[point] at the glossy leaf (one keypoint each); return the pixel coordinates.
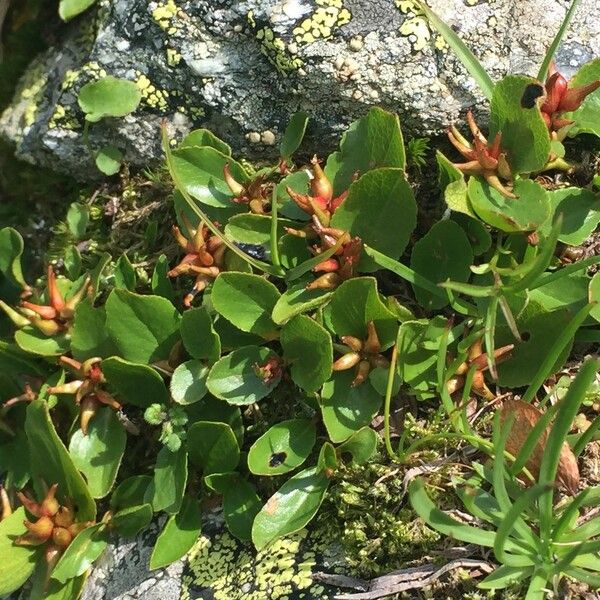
(51, 462)
(378, 198)
(587, 116)
(89, 337)
(178, 535)
(188, 382)
(235, 378)
(128, 522)
(68, 9)
(294, 132)
(34, 341)
(291, 507)
(212, 447)
(199, 336)
(125, 277)
(297, 300)
(241, 504)
(143, 328)
(108, 160)
(170, 477)
(247, 301)
(160, 282)
(11, 250)
(204, 137)
(347, 409)
(108, 97)
(87, 546)
(360, 445)
(285, 446)
(135, 384)
(307, 347)
(130, 492)
(98, 454)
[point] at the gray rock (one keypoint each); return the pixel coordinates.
(241, 68)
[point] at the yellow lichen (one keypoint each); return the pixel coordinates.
(328, 15)
(416, 27)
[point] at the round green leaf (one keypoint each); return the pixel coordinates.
(135, 384)
(87, 546)
(212, 447)
(34, 341)
(525, 136)
(294, 132)
(525, 213)
(568, 292)
(372, 142)
(353, 305)
(18, 562)
(160, 281)
(308, 347)
(247, 301)
(478, 235)
(347, 409)
(67, 9)
(442, 253)
(51, 462)
(188, 383)
(130, 492)
(108, 97)
(170, 478)
(199, 336)
(580, 210)
(128, 522)
(108, 160)
(282, 448)
(378, 198)
(291, 507)
(361, 445)
(78, 218)
(11, 249)
(328, 457)
(235, 378)
(213, 409)
(89, 337)
(178, 536)
(241, 504)
(204, 137)
(98, 454)
(200, 170)
(587, 116)
(249, 228)
(143, 328)
(296, 300)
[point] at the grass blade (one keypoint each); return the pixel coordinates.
(543, 72)
(463, 53)
(586, 437)
(504, 576)
(308, 264)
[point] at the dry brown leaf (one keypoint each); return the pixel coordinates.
(527, 415)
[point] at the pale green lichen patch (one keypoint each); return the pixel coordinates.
(328, 15)
(416, 28)
(152, 96)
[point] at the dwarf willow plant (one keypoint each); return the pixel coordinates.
(258, 359)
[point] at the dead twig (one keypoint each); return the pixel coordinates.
(403, 580)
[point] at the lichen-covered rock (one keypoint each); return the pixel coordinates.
(242, 68)
(218, 567)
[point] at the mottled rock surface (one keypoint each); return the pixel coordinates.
(242, 68)
(218, 567)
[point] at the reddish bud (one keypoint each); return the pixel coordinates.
(320, 185)
(237, 189)
(574, 97)
(556, 86)
(361, 373)
(347, 361)
(38, 532)
(50, 505)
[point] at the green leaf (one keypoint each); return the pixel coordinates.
(308, 348)
(594, 295)
(188, 383)
(443, 253)
(297, 300)
(178, 536)
(249, 228)
(135, 384)
(463, 53)
(378, 198)
(372, 142)
(160, 282)
(587, 116)
(291, 507)
(235, 377)
(144, 328)
(170, 477)
(477, 234)
(503, 577)
(580, 209)
(527, 213)
(204, 137)
(78, 218)
(356, 302)
(108, 97)
(212, 447)
(347, 409)
(294, 132)
(231, 337)
(128, 522)
(108, 160)
(51, 462)
(18, 562)
(299, 182)
(328, 459)
(98, 454)
(247, 301)
(241, 504)
(525, 137)
(285, 446)
(199, 336)
(125, 277)
(213, 409)
(72, 262)
(11, 250)
(32, 340)
(360, 445)
(87, 546)
(67, 9)
(200, 170)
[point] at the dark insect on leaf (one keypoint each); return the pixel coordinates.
(531, 93)
(254, 250)
(277, 459)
